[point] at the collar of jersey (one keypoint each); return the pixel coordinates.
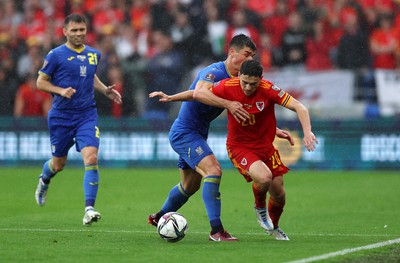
(78, 50)
(227, 70)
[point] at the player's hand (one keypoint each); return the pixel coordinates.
(285, 135)
(162, 97)
(310, 141)
(113, 94)
(238, 112)
(68, 92)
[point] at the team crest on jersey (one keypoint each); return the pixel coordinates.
(83, 71)
(276, 88)
(45, 64)
(260, 105)
(81, 57)
(243, 162)
(199, 150)
(210, 77)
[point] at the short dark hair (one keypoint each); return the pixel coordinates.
(77, 18)
(251, 68)
(240, 41)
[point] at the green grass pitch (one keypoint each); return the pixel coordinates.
(326, 212)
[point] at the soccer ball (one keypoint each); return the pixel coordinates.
(172, 227)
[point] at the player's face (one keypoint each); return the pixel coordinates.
(249, 84)
(75, 33)
(238, 57)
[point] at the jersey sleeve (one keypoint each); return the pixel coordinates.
(219, 89)
(49, 64)
(278, 95)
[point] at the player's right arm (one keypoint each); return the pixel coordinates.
(181, 96)
(45, 85)
(202, 93)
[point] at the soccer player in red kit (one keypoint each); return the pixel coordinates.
(250, 142)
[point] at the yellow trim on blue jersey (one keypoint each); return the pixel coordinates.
(227, 70)
(212, 180)
(183, 192)
(51, 166)
(79, 50)
(91, 167)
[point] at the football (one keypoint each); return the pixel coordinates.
(172, 227)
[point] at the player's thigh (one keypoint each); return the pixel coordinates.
(260, 173)
(62, 134)
(191, 147)
(87, 134)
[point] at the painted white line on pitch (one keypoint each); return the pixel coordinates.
(96, 230)
(347, 251)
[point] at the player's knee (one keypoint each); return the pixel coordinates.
(279, 197)
(58, 167)
(264, 179)
(191, 188)
(215, 169)
(91, 159)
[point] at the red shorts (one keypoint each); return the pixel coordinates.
(243, 158)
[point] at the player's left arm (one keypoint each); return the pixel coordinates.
(309, 139)
(108, 91)
(203, 93)
(283, 134)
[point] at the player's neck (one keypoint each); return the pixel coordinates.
(231, 70)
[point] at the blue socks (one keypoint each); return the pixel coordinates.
(48, 172)
(212, 201)
(91, 184)
(176, 199)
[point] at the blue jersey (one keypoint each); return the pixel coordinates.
(195, 116)
(67, 67)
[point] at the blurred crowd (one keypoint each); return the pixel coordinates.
(160, 44)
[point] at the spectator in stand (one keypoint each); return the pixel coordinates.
(353, 54)
(251, 15)
(216, 30)
(115, 75)
(8, 88)
(10, 18)
(138, 10)
(383, 44)
(265, 53)
(108, 18)
(34, 23)
(31, 102)
(294, 44)
(318, 47)
(240, 25)
(31, 61)
(183, 35)
(277, 22)
(164, 72)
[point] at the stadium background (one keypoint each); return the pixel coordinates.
(354, 108)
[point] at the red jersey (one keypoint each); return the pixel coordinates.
(258, 131)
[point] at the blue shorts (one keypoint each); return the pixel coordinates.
(191, 147)
(67, 129)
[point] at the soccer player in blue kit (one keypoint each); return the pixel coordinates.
(69, 74)
(188, 137)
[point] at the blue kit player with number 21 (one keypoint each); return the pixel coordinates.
(69, 74)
